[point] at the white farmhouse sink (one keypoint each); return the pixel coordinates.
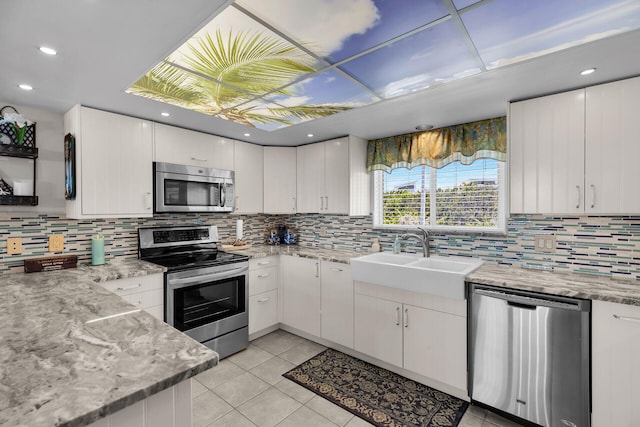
(436, 275)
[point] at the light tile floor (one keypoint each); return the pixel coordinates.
(248, 389)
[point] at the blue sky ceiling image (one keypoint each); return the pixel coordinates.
(271, 64)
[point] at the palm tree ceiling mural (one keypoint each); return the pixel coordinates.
(275, 63)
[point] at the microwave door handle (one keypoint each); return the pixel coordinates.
(193, 280)
(222, 194)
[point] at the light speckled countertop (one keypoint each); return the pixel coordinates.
(58, 370)
(335, 255)
(585, 286)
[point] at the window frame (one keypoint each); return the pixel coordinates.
(377, 189)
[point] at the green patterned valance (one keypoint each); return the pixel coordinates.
(438, 147)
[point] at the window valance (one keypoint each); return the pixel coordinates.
(438, 147)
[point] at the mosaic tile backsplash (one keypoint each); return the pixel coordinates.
(595, 245)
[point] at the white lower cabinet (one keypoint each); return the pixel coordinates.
(169, 408)
(615, 364)
(145, 292)
(427, 337)
(336, 303)
(263, 293)
(301, 294)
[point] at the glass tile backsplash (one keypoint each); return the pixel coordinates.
(595, 245)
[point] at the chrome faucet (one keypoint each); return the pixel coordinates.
(423, 238)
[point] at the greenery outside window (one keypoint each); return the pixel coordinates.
(456, 197)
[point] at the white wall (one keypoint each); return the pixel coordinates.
(50, 163)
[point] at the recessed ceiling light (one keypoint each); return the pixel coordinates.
(309, 135)
(247, 134)
(165, 114)
(25, 87)
(48, 50)
(587, 71)
(424, 127)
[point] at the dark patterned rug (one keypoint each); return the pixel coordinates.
(376, 395)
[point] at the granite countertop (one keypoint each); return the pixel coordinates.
(585, 286)
(334, 255)
(63, 363)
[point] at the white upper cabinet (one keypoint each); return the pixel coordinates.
(187, 147)
(279, 180)
(576, 152)
(612, 148)
(248, 167)
(114, 156)
(332, 177)
(546, 154)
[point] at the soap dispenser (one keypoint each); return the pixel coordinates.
(375, 247)
(396, 245)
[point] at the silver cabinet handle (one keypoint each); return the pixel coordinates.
(321, 203)
(593, 196)
(264, 263)
(293, 204)
(195, 159)
(577, 196)
(406, 317)
(236, 205)
(264, 299)
(129, 287)
(326, 203)
(397, 316)
(263, 275)
(317, 269)
(628, 319)
(336, 269)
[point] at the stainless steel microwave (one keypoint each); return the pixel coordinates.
(180, 188)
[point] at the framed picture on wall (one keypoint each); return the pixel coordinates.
(69, 167)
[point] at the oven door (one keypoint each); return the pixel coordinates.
(176, 192)
(210, 302)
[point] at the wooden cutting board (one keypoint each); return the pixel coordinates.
(235, 248)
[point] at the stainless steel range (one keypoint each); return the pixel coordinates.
(206, 289)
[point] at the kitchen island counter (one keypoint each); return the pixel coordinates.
(303, 251)
(575, 285)
(72, 352)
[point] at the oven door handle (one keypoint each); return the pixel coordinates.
(204, 278)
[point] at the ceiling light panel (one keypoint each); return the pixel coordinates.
(432, 56)
(176, 86)
(506, 31)
(337, 30)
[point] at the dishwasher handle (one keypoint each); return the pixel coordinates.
(524, 300)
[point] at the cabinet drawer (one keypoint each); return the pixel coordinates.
(263, 311)
(256, 263)
(135, 284)
(262, 280)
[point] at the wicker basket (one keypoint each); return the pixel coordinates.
(28, 141)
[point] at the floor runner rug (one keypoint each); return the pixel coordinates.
(376, 395)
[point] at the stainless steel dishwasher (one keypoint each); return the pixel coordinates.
(529, 355)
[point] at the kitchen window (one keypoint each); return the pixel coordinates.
(456, 197)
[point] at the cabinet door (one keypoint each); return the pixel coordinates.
(248, 167)
(301, 294)
(615, 352)
(311, 176)
(612, 149)
(378, 328)
(337, 303)
(435, 345)
(182, 146)
(263, 311)
(115, 165)
(336, 181)
(221, 152)
(279, 180)
(546, 154)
